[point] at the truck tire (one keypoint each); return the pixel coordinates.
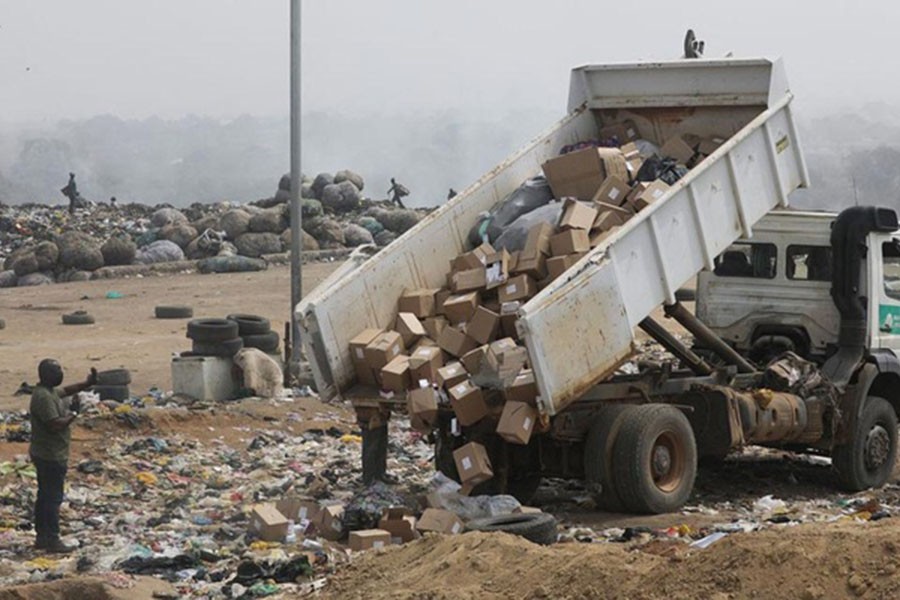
(114, 377)
(250, 324)
(267, 342)
(867, 459)
(224, 348)
(598, 455)
(119, 393)
(656, 459)
(539, 528)
(173, 312)
(79, 317)
(212, 330)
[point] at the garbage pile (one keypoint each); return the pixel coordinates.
(42, 244)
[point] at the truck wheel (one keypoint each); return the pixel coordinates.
(598, 454)
(655, 459)
(867, 460)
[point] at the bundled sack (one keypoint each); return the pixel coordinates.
(532, 194)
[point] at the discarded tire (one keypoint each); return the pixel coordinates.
(79, 317)
(250, 324)
(2, 324)
(119, 393)
(267, 342)
(114, 377)
(212, 330)
(539, 528)
(173, 312)
(222, 348)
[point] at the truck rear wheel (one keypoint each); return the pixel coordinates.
(655, 459)
(867, 459)
(598, 455)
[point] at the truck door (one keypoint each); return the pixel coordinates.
(885, 275)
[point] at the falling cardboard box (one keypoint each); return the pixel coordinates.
(369, 539)
(613, 191)
(456, 343)
(400, 524)
(484, 326)
(422, 406)
(472, 463)
(468, 403)
(517, 422)
(395, 375)
(460, 308)
(418, 302)
(383, 349)
(502, 363)
(424, 363)
(579, 174)
(358, 344)
(329, 525)
(523, 388)
(451, 374)
(576, 215)
(410, 328)
(572, 241)
(520, 287)
(437, 520)
(268, 523)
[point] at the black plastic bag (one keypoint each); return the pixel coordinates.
(666, 169)
(532, 194)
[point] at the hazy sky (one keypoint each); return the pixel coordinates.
(66, 58)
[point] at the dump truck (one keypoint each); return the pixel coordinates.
(636, 438)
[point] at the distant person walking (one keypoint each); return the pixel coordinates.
(71, 192)
(452, 194)
(397, 191)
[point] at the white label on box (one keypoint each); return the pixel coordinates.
(454, 427)
(456, 527)
(302, 512)
(336, 524)
(423, 351)
(657, 194)
(526, 424)
(613, 193)
(395, 350)
(423, 383)
(378, 544)
(631, 133)
(466, 463)
(360, 353)
(454, 370)
(396, 540)
(460, 388)
(493, 272)
(257, 524)
(511, 288)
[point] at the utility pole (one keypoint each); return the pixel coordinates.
(296, 185)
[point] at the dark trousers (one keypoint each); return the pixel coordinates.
(51, 476)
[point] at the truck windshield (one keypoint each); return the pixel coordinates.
(808, 263)
(745, 259)
(891, 264)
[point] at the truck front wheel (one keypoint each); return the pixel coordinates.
(867, 459)
(655, 460)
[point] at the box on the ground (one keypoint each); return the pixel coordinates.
(409, 327)
(625, 131)
(521, 287)
(298, 509)
(433, 326)
(468, 403)
(472, 260)
(456, 343)
(468, 280)
(399, 523)
(496, 269)
(460, 308)
(678, 149)
(613, 191)
(472, 463)
(502, 363)
(708, 145)
(206, 378)
(576, 215)
(329, 525)
(424, 363)
(523, 388)
(422, 406)
(383, 349)
(650, 195)
(558, 265)
(472, 360)
(268, 523)
(484, 326)
(572, 241)
(517, 422)
(369, 539)
(579, 174)
(439, 521)
(451, 374)
(418, 302)
(508, 317)
(395, 375)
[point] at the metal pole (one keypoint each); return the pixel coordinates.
(296, 185)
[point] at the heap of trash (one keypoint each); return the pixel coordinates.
(42, 244)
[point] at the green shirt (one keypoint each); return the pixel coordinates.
(46, 405)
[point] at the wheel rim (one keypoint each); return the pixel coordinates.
(878, 447)
(667, 462)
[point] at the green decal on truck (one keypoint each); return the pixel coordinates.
(889, 318)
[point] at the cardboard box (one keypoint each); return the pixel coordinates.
(439, 298)
(496, 270)
(634, 167)
(451, 374)
(653, 193)
(472, 260)
(537, 240)
(508, 317)
(461, 307)
(383, 349)
(468, 280)
(609, 219)
(572, 241)
(636, 190)
(630, 150)
(424, 363)
(472, 463)
(558, 265)
(398, 523)
(298, 509)
(517, 422)
(613, 191)
(625, 131)
(418, 302)
(579, 174)
(576, 215)
(502, 363)
(268, 523)
(468, 403)
(329, 525)
(422, 406)
(678, 149)
(484, 326)
(708, 145)
(527, 510)
(534, 266)
(437, 520)
(456, 343)
(364, 373)
(395, 375)
(369, 539)
(409, 327)
(425, 342)
(434, 325)
(521, 287)
(599, 236)
(472, 360)
(523, 388)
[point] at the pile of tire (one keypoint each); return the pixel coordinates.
(256, 332)
(113, 385)
(214, 337)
